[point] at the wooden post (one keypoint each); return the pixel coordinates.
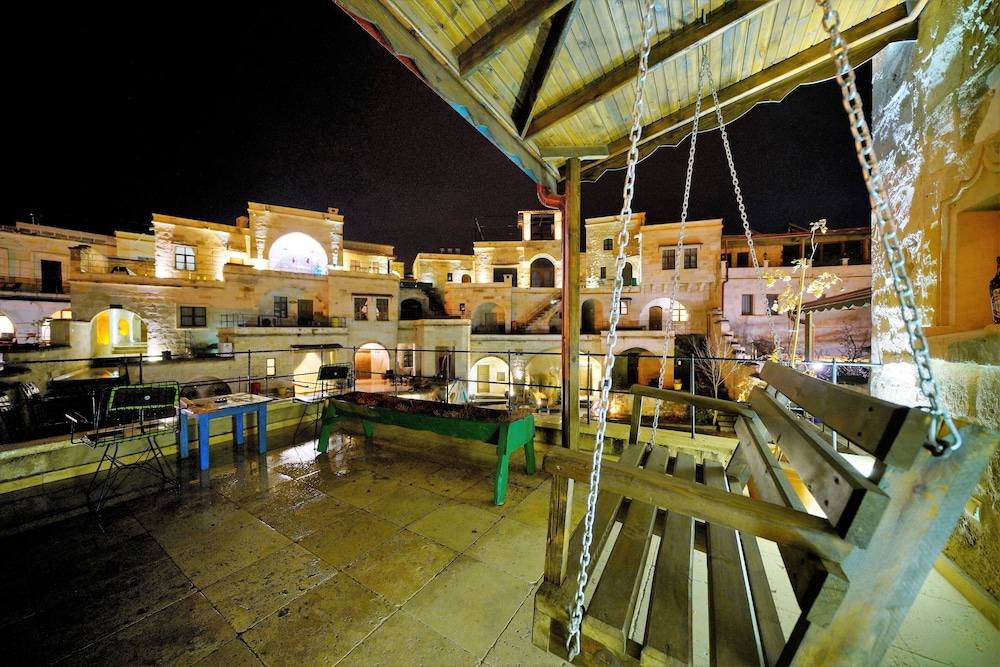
(571, 309)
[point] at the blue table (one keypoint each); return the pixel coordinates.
(235, 406)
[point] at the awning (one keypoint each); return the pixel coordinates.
(842, 301)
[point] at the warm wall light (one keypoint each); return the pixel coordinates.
(269, 368)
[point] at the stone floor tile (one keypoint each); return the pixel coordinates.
(533, 509)
(514, 648)
(483, 494)
(223, 553)
(180, 533)
(184, 632)
(403, 640)
(296, 509)
(406, 504)
(350, 538)
(363, 489)
(452, 480)
(234, 653)
(401, 566)
(249, 595)
(514, 547)
(470, 603)
(455, 525)
(935, 622)
(320, 627)
(83, 613)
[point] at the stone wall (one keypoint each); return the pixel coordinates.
(936, 124)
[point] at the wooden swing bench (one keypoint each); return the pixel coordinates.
(852, 573)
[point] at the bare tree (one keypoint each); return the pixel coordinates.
(716, 360)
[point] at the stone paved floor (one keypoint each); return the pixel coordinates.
(390, 553)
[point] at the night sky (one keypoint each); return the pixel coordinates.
(193, 109)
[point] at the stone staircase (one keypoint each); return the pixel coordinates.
(719, 321)
(539, 322)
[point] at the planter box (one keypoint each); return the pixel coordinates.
(509, 431)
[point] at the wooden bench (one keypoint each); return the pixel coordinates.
(850, 576)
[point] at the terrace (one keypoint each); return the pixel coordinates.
(387, 552)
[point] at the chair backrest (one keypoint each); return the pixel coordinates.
(333, 372)
(137, 404)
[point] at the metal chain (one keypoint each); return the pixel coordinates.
(743, 211)
(890, 237)
(679, 251)
(576, 606)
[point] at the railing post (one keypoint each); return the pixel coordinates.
(833, 378)
(693, 392)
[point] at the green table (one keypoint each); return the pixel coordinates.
(508, 436)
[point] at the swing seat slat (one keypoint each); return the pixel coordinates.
(853, 552)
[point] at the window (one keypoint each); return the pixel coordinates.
(668, 259)
(184, 258)
(747, 301)
(407, 361)
(623, 307)
(690, 258)
(382, 310)
(771, 300)
(280, 306)
(194, 316)
(360, 308)
(609, 244)
(604, 272)
(450, 278)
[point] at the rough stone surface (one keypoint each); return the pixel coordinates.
(937, 136)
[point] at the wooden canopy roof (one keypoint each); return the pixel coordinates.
(539, 77)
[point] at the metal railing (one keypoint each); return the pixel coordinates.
(528, 380)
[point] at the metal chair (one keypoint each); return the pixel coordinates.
(138, 414)
(8, 418)
(331, 379)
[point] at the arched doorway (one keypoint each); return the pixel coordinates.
(635, 366)
(411, 309)
(489, 378)
(117, 331)
(591, 316)
(489, 318)
(371, 361)
(7, 332)
(299, 253)
(627, 275)
(543, 273)
(656, 318)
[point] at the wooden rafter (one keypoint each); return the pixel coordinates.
(813, 64)
(527, 18)
(624, 75)
(534, 82)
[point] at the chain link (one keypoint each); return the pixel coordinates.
(890, 236)
(678, 252)
(576, 606)
(743, 210)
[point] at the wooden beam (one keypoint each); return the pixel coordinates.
(530, 16)
(662, 52)
(403, 41)
(579, 152)
(558, 28)
(771, 84)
